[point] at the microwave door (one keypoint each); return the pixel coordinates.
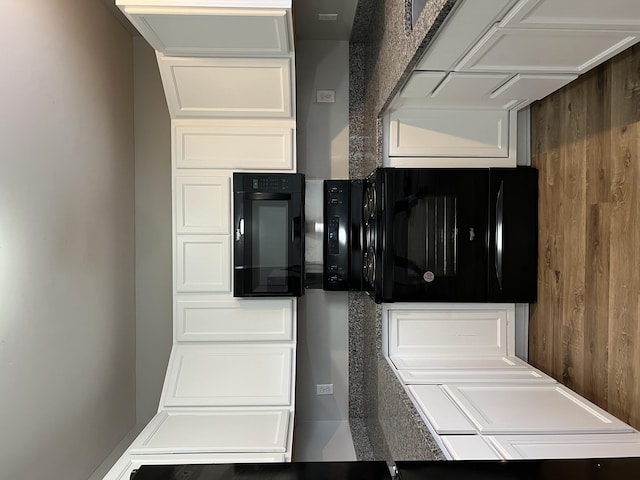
(267, 241)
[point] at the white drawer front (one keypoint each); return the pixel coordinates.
(228, 375)
(243, 431)
(238, 320)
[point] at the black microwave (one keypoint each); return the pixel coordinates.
(268, 255)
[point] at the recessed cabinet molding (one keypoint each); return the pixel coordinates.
(421, 84)
(237, 320)
(203, 263)
(455, 332)
(464, 26)
(584, 14)
(544, 50)
(513, 447)
(227, 87)
(205, 30)
(184, 431)
(531, 87)
(217, 375)
(237, 145)
(469, 447)
(468, 87)
(202, 204)
(450, 132)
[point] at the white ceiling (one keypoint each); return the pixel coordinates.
(307, 25)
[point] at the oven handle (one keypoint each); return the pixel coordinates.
(499, 233)
(267, 196)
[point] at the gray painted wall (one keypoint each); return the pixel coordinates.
(67, 293)
(153, 230)
(323, 149)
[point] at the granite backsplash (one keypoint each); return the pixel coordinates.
(384, 49)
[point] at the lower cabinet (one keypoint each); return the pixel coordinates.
(479, 401)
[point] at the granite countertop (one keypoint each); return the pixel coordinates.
(384, 49)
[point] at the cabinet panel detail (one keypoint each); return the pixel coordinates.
(238, 320)
(469, 447)
(228, 375)
(528, 409)
(234, 146)
(443, 415)
(212, 31)
(439, 377)
(442, 333)
(567, 446)
(202, 205)
(421, 84)
(468, 87)
(532, 87)
(544, 50)
(434, 132)
(203, 263)
(182, 431)
(585, 14)
(227, 87)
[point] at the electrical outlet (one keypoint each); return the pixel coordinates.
(325, 96)
(324, 389)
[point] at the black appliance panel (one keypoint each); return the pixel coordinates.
(268, 232)
(431, 243)
(342, 235)
(368, 470)
(513, 236)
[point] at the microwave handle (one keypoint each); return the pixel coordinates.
(296, 228)
(267, 196)
(498, 245)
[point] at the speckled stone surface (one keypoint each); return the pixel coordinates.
(383, 51)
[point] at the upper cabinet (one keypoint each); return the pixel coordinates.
(227, 87)
(213, 27)
(501, 55)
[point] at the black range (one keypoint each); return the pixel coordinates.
(419, 235)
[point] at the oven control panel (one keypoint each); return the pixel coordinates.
(336, 235)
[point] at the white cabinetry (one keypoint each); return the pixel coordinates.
(227, 68)
(227, 87)
(479, 401)
(500, 54)
(202, 204)
(234, 144)
(254, 320)
(211, 28)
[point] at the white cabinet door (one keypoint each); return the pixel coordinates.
(128, 462)
(234, 144)
(527, 409)
(454, 332)
(442, 132)
(544, 50)
(203, 263)
(203, 31)
(187, 431)
(567, 446)
(203, 204)
(525, 88)
(444, 415)
(235, 320)
(227, 87)
(468, 447)
(577, 14)
(464, 26)
(463, 362)
(212, 375)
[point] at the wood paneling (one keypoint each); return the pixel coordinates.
(585, 327)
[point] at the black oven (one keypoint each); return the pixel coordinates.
(269, 235)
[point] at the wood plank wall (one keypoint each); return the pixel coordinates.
(585, 327)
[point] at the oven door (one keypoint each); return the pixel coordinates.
(268, 247)
(435, 235)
